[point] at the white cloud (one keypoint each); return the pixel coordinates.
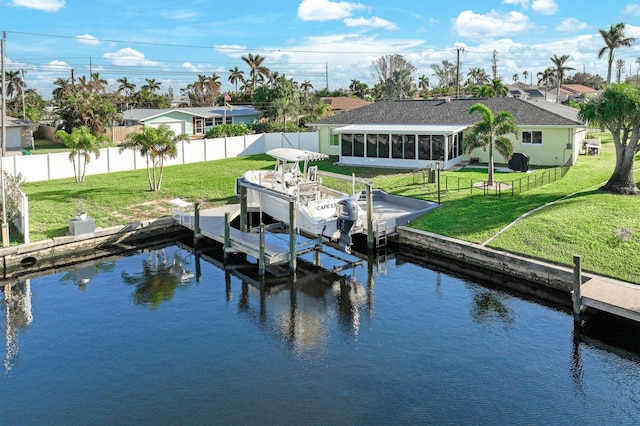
(44, 5)
(88, 39)
(493, 24)
(544, 7)
(180, 15)
(129, 57)
(56, 66)
(632, 9)
(373, 22)
(523, 3)
(326, 10)
(570, 25)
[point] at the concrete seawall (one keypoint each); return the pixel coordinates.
(553, 276)
(58, 252)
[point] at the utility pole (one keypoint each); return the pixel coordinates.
(458, 49)
(494, 64)
(326, 74)
(5, 226)
(24, 112)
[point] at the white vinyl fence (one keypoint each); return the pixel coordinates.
(36, 168)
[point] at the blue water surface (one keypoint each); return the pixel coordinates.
(140, 340)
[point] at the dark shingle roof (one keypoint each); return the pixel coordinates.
(455, 111)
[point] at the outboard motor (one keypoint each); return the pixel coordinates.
(347, 212)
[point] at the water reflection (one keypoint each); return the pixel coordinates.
(159, 278)
(83, 274)
(18, 316)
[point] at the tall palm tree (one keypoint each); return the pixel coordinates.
(306, 86)
(125, 86)
(97, 84)
(478, 75)
(525, 74)
(63, 86)
(619, 69)
(236, 76)
(258, 72)
(213, 87)
(151, 86)
(613, 39)
(14, 82)
(546, 78)
(560, 69)
(490, 131)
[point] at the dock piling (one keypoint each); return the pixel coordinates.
(292, 237)
(227, 235)
(370, 237)
(261, 259)
(577, 282)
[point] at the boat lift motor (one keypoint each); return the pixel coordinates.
(347, 213)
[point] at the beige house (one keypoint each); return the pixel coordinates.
(420, 133)
(18, 133)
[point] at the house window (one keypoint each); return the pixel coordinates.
(410, 147)
(372, 146)
(424, 147)
(437, 147)
(396, 146)
(358, 145)
(198, 125)
(347, 145)
(532, 137)
(383, 146)
(335, 140)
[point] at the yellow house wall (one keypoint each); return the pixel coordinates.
(552, 152)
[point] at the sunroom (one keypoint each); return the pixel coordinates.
(401, 146)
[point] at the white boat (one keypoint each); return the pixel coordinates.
(320, 211)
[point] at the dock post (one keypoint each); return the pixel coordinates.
(227, 235)
(292, 236)
(261, 260)
(577, 281)
(196, 224)
(243, 208)
(370, 236)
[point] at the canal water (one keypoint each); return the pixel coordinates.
(163, 337)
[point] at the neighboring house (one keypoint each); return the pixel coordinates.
(577, 92)
(343, 103)
(420, 133)
(194, 121)
(18, 133)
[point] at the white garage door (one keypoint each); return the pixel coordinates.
(176, 126)
(14, 137)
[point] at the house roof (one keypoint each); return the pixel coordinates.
(455, 112)
(15, 122)
(399, 128)
(338, 103)
(146, 114)
(577, 88)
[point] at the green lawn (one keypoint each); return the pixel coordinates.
(604, 229)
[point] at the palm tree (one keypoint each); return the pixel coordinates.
(63, 86)
(156, 144)
(560, 69)
(423, 83)
(478, 76)
(619, 69)
(258, 72)
(96, 83)
(236, 76)
(546, 78)
(490, 131)
(13, 81)
(213, 87)
(613, 39)
(306, 86)
(81, 144)
(525, 74)
(151, 86)
(126, 86)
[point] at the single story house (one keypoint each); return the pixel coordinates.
(343, 103)
(577, 92)
(194, 121)
(18, 133)
(420, 133)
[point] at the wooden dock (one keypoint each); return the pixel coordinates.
(616, 297)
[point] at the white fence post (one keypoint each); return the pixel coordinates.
(24, 218)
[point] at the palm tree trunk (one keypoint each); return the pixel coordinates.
(161, 173)
(149, 173)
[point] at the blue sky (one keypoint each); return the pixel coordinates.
(323, 41)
